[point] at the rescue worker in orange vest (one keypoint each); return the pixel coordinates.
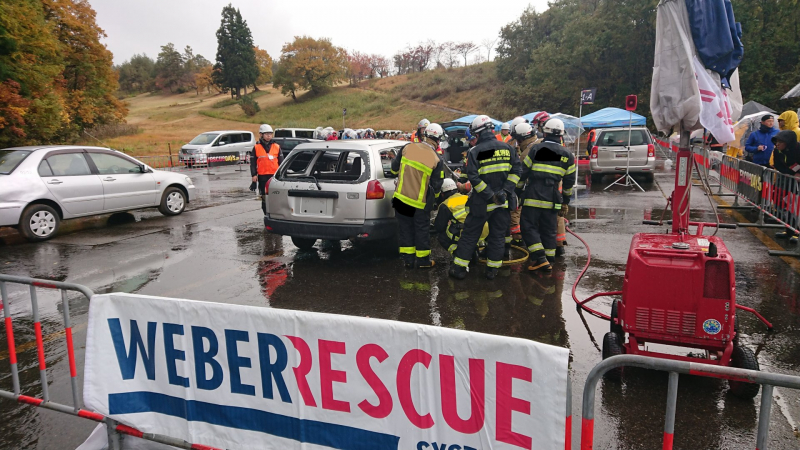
(419, 135)
(420, 174)
(264, 162)
(505, 133)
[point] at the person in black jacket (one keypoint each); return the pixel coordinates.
(545, 166)
(493, 170)
(786, 160)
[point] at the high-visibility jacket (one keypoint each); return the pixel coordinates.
(267, 161)
(502, 138)
(543, 169)
(450, 220)
(421, 174)
(492, 167)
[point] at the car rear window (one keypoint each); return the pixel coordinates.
(619, 138)
(283, 133)
(387, 156)
(10, 159)
(327, 165)
(204, 139)
(307, 134)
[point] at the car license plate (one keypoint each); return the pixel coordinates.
(315, 206)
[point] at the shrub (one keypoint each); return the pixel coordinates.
(249, 106)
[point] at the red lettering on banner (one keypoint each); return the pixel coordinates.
(507, 403)
(302, 369)
(447, 379)
(404, 369)
(363, 356)
(327, 376)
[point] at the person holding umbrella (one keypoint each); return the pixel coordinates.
(759, 144)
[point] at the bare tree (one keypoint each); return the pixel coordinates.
(451, 54)
(465, 49)
(489, 44)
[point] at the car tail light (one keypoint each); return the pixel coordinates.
(651, 151)
(595, 150)
(717, 283)
(266, 186)
(375, 190)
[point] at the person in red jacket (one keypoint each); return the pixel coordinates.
(264, 162)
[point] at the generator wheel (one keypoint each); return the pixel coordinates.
(612, 346)
(616, 328)
(743, 358)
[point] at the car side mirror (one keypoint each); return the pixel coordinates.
(143, 168)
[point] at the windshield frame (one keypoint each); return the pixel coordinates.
(11, 150)
(216, 135)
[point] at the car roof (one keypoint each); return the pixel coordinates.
(227, 131)
(58, 147)
(292, 128)
(352, 144)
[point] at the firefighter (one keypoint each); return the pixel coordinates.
(493, 170)
(561, 235)
(505, 133)
(264, 162)
(538, 123)
(524, 134)
(513, 142)
(451, 216)
(421, 173)
(546, 165)
(419, 135)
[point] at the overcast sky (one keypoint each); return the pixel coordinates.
(382, 26)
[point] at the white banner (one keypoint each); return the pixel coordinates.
(259, 378)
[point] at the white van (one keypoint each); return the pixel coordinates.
(197, 151)
(306, 133)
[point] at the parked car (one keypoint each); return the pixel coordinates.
(609, 155)
(334, 190)
(41, 186)
(286, 145)
(197, 150)
(307, 133)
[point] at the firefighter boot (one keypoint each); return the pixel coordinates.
(426, 265)
(457, 272)
(540, 264)
(490, 273)
(560, 250)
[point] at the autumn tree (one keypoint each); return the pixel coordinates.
(359, 67)
(236, 57)
(264, 63)
(137, 74)
(310, 64)
(204, 80)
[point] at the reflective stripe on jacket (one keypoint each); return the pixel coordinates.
(267, 162)
(543, 170)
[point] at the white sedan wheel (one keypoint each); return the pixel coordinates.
(43, 223)
(175, 202)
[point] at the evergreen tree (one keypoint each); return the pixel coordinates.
(236, 66)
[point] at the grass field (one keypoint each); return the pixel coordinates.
(170, 121)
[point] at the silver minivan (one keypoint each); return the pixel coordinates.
(197, 150)
(305, 133)
(609, 155)
(335, 190)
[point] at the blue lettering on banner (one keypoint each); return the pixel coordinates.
(273, 371)
(307, 431)
(127, 361)
(203, 358)
(172, 354)
(235, 362)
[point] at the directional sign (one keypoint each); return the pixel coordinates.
(587, 96)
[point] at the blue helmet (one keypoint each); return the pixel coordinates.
(467, 134)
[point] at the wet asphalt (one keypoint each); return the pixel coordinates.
(218, 251)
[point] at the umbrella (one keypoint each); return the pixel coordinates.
(747, 125)
(572, 127)
(795, 92)
(752, 107)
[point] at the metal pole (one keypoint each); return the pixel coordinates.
(763, 417)
(672, 400)
(12, 351)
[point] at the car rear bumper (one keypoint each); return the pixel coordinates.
(650, 167)
(371, 229)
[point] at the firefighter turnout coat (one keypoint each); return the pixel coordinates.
(420, 174)
(545, 166)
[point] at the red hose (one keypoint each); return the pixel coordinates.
(582, 303)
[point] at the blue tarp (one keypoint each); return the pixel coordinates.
(611, 117)
(467, 120)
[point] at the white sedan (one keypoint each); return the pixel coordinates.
(42, 185)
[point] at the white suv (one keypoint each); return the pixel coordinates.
(196, 152)
(334, 190)
(609, 155)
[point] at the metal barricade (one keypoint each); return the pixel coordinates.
(729, 179)
(751, 190)
(781, 202)
(115, 430)
(767, 380)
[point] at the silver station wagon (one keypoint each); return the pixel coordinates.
(335, 190)
(41, 186)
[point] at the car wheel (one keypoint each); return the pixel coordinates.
(303, 243)
(597, 177)
(39, 223)
(649, 177)
(743, 358)
(173, 202)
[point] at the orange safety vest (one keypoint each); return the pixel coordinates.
(267, 163)
(501, 138)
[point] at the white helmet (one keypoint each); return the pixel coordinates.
(481, 123)
(506, 126)
(448, 185)
(522, 131)
(423, 123)
(265, 129)
(517, 120)
(434, 131)
(554, 127)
